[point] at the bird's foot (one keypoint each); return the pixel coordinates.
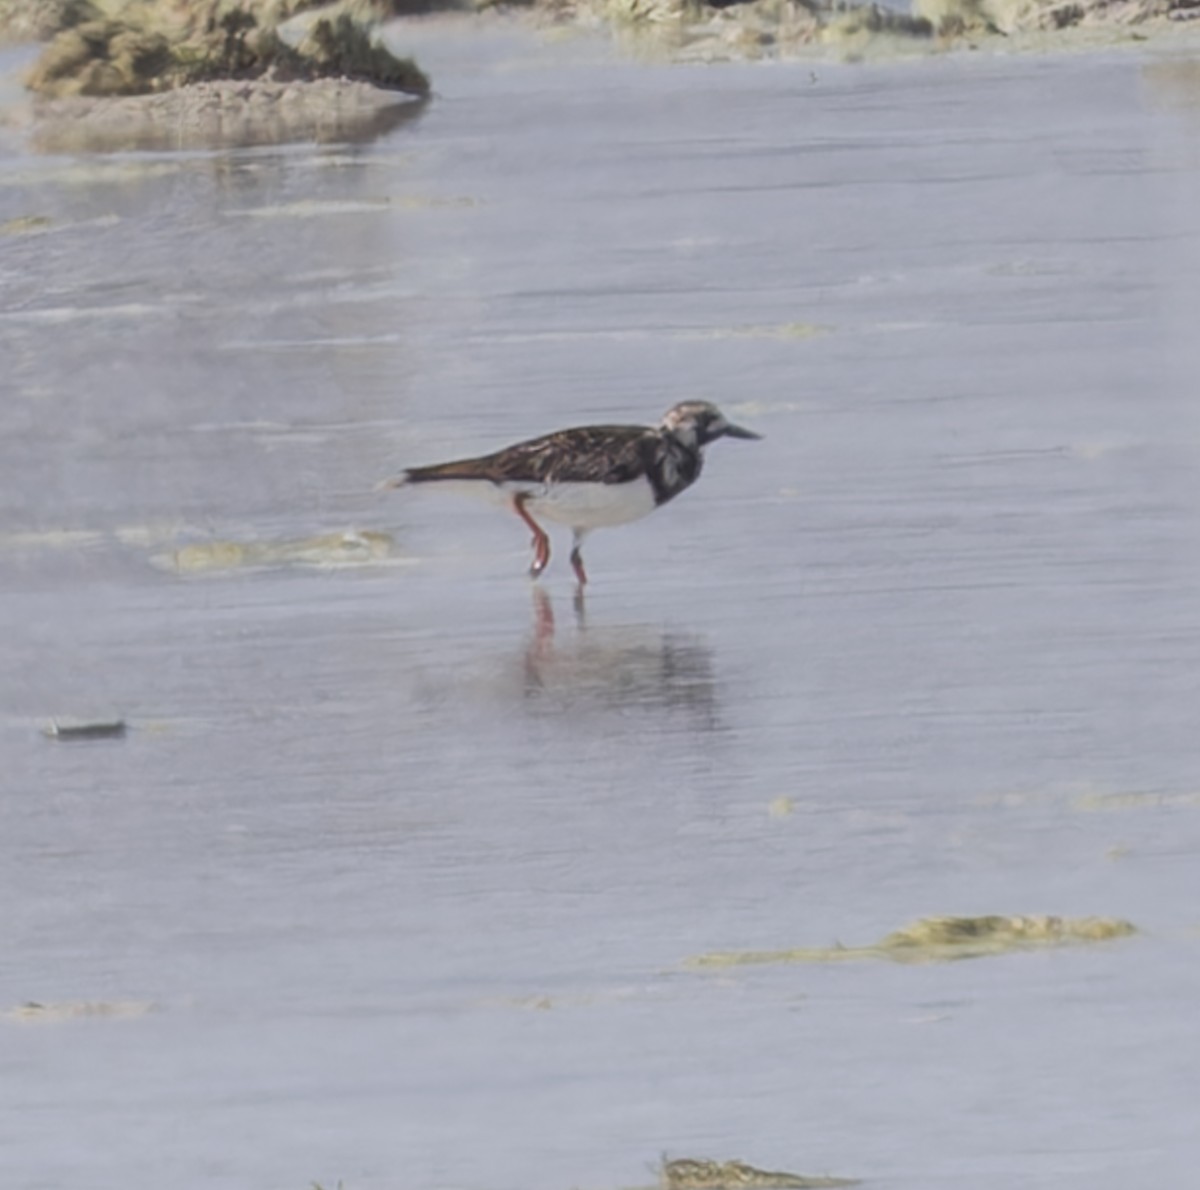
(541, 557)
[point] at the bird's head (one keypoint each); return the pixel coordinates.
(697, 423)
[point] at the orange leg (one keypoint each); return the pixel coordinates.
(541, 543)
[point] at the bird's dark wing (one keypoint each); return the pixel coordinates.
(586, 454)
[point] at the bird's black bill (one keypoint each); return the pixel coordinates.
(738, 432)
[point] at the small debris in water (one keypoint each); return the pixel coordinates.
(34, 1012)
(940, 939)
(85, 729)
(780, 807)
(687, 1173)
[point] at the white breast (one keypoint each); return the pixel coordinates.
(594, 505)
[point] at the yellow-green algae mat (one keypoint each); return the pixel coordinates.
(352, 548)
(36, 1012)
(940, 939)
(687, 1173)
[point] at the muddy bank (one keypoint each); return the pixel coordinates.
(228, 113)
(719, 30)
(951, 17)
(41, 20)
(145, 50)
(705, 30)
(852, 30)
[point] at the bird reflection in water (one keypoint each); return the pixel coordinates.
(616, 667)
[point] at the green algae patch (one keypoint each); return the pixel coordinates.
(795, 954)
(783, 331)
(934, 938)
(687, 1173)
(169, 550)
(1101, 803)
(25, 225)
(307, 208)
(943, 939)
(358, 548)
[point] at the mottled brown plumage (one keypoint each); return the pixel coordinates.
(585, 454)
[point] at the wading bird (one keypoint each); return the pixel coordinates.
(589, 477)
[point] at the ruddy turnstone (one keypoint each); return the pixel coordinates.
(590, 477)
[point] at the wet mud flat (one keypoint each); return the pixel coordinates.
(394, 873)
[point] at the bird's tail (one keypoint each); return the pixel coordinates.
(459, 469)
(397, 481)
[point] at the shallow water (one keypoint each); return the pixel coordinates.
(393, 877)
